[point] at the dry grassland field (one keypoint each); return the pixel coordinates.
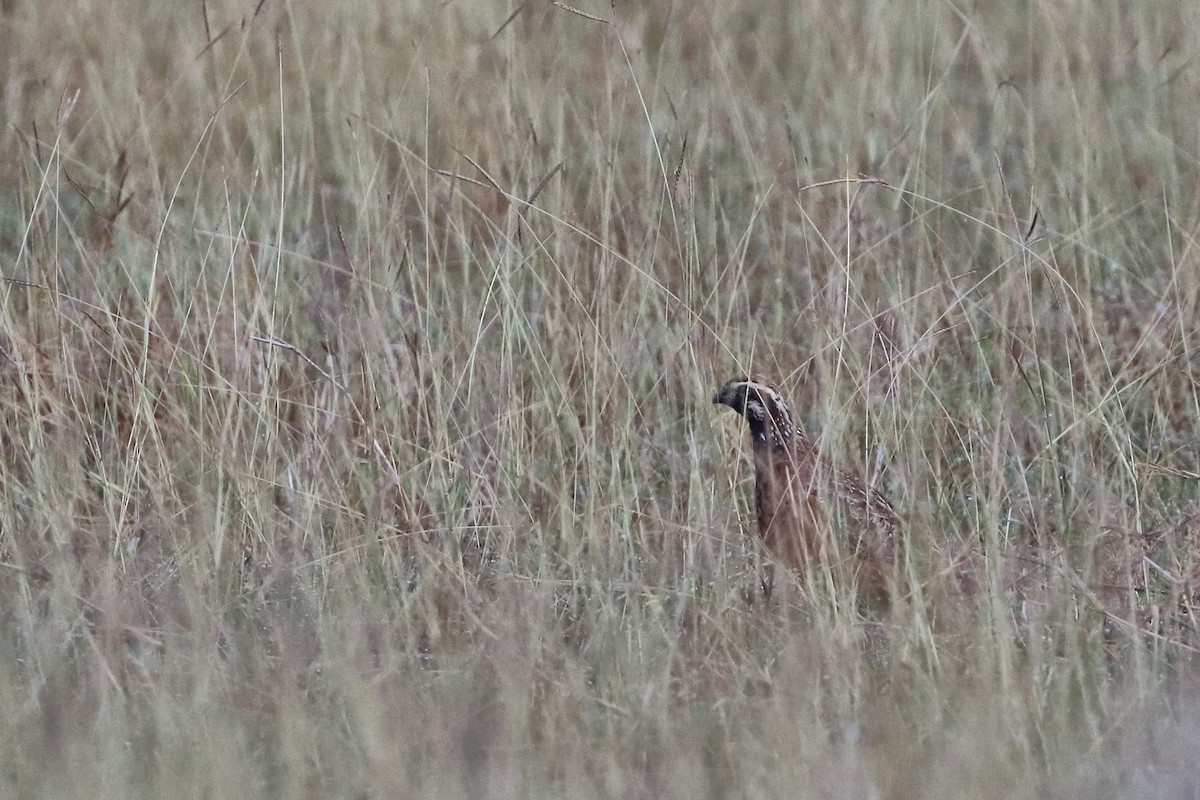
(357, 363)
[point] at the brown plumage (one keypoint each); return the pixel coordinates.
(810, 513)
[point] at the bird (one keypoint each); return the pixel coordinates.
(811, 514)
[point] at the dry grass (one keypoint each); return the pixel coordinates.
(355, 395)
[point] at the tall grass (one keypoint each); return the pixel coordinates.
(357, 363)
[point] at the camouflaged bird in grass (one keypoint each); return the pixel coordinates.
(812, 514)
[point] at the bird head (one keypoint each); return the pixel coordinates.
(763, 407)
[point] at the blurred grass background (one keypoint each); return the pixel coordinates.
(357, 364)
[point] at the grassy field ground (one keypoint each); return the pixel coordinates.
(357, 436)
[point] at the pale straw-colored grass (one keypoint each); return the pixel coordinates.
(356, 437)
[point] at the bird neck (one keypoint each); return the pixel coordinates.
(775, 432)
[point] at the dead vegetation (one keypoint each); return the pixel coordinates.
(355, 368)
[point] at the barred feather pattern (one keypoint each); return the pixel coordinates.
(810, 513)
